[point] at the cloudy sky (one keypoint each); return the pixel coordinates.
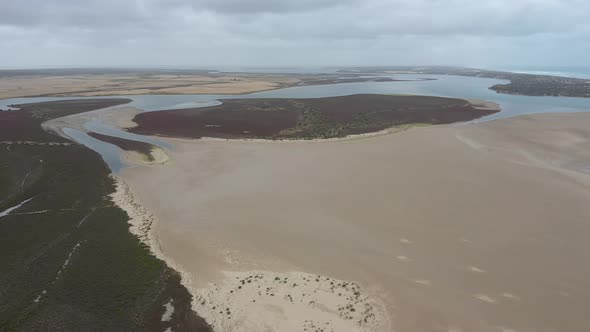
(192, 33)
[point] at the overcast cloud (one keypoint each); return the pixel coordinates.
(192, 33)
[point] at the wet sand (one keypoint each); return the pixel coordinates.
(478, 227)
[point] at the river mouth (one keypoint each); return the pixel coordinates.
(414, 84)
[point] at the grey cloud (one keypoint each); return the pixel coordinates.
(269, 6)
(332, 18)
(70, 13)
(353, 32)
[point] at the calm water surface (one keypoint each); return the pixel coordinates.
(444, 86)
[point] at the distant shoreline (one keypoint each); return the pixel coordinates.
(105, 82)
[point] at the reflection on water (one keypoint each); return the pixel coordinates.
(444, 86)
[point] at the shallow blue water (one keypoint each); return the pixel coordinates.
(445, 86)
(110, 153)
(102, 128)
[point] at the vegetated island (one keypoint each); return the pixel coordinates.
(520, 83)
(308, 118)
(67, 259)
(142, 148)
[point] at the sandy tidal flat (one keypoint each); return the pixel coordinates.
(138, 83)
(479, 227)
(288, 301)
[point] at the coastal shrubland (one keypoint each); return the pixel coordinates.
(67, 259)
(315, 118)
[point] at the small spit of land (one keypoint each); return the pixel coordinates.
(308, 118)
(128, 145)
(67, 259)
(520, 84)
